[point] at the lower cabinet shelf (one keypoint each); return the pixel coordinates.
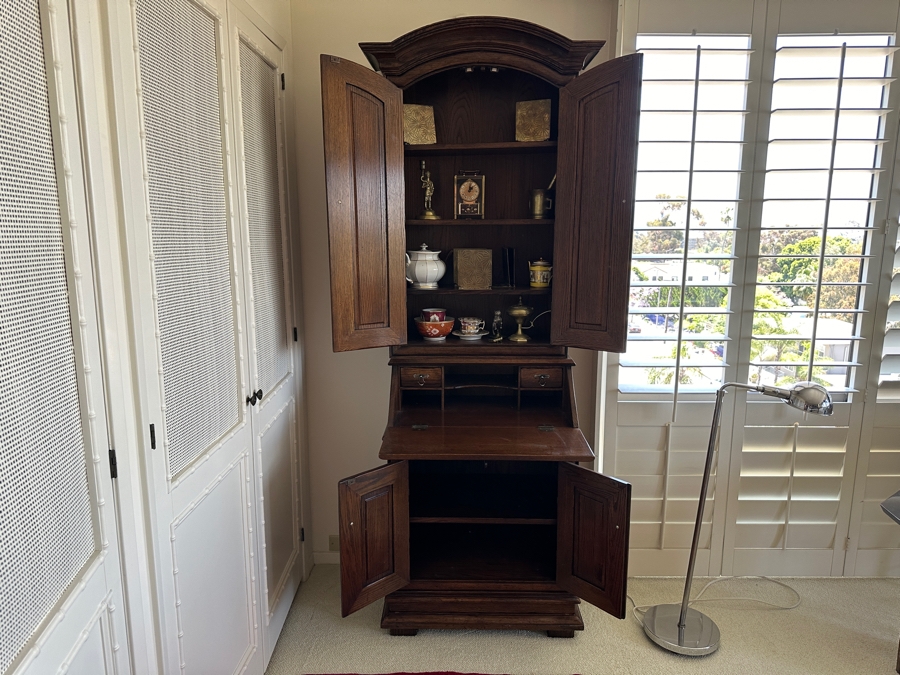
(482, 552)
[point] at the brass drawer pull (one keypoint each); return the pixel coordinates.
(421, 377)
(542, 377)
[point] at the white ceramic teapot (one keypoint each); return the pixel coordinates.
(423, 267)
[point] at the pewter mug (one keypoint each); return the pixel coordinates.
(540, 203)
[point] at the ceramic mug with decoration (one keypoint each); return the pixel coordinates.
(470, 325)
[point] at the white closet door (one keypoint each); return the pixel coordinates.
(258, 65)
(194, 353)
(60, 592)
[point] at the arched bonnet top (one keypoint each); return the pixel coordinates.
(481, 41)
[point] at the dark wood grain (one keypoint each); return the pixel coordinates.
(492, 613)
(485, 443)
(481, 40)
(373, 514)
(499, 147)
(592, 539)
(595, 205)
(363, 128)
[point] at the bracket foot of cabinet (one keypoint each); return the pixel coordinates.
(556, 613)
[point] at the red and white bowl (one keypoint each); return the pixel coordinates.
(435, 331)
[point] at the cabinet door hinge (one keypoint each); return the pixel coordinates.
(546, 427)
(113, 466)
(302, 534)
(295, 333)
(282, 82)
(152, 437)
(419, 427)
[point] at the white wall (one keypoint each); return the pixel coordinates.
(348, 393)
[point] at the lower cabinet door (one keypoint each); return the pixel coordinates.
(373, 510)
(592, 537)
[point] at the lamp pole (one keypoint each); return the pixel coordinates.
(679, 628)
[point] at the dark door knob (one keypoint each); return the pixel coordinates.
(252, 399)
(259, 394)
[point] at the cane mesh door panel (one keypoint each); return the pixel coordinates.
(45, 503)
(180, 89)
(258, 103)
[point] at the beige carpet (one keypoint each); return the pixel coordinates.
(843, 626)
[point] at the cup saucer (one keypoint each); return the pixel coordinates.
(471, 336)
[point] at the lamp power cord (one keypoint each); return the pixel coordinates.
(639, 610)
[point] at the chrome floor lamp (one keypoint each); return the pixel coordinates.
(679, 628)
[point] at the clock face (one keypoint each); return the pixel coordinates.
(469, 191)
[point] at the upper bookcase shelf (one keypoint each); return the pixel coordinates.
(506, 148)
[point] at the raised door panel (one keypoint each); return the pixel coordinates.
(598, 134)
(592, 537)
(373, 510)
(363, 125)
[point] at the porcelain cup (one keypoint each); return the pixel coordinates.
(470, 325)
(434, 314)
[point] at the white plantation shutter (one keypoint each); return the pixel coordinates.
(809, 182)
(664, 463)
(689, 179)
(790, 496)
(889, 372)
(877, 539)
(790, 491)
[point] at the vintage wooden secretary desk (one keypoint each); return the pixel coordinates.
(482, 517)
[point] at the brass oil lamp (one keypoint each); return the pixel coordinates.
(520, 312)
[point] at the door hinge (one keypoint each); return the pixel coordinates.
(282, 82)
(546, 427)
(419, 427)
(302, 534)
(295, 333)
(113, 466)
(152, 437)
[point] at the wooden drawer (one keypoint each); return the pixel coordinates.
(426, 378)
(541, 378)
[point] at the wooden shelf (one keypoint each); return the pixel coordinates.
(483, 521)
(483, 552)
(481, 148)
(482, 221)
(482, 291)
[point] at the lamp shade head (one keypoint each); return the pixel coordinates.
(810, 397)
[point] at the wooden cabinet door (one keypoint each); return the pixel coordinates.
(592, 537)
(598, 140)
(373, 510)
(363, 125)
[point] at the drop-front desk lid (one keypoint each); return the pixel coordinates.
(556, 444)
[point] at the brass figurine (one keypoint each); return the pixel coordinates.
(428, 185)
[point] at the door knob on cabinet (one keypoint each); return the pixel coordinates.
(259, 394)
(256, 396)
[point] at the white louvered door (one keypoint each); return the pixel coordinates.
(263, 208)
(195, 355)
(61, 606)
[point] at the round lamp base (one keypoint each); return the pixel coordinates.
(699, 636)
